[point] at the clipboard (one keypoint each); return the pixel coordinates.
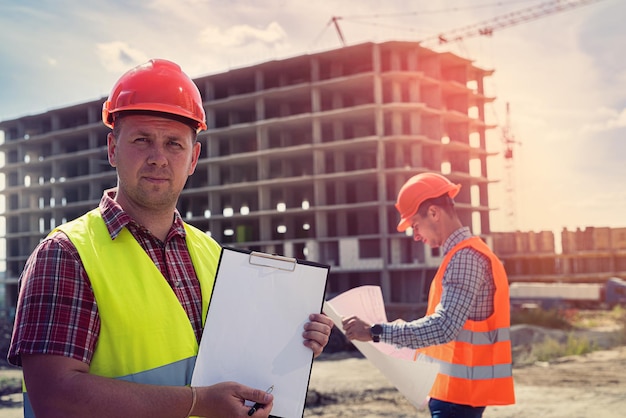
(253, 330)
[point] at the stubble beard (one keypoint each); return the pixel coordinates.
(153, 198)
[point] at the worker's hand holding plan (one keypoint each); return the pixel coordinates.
(412, 378)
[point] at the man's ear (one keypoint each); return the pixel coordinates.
(111, 146)
(434, 212)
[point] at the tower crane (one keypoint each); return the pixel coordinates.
(509, 141)
(488, 27)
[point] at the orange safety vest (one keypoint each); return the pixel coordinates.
(476, 367)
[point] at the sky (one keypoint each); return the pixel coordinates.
(562, 74)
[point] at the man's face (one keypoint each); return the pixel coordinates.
(426, 228)
(153, 156)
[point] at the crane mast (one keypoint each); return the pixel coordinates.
(508, 140)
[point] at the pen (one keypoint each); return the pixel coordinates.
(257, 405)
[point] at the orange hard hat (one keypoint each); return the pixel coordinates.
(419, 188)
(158, 86)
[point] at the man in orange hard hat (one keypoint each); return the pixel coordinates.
(112, 304)
(466, 327)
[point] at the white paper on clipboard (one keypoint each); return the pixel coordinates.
(254, 325)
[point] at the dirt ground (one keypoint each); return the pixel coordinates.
(346, 385)
(589, 386)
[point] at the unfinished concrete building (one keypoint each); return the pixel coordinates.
(589, 255)
(303, 157)
(593, 254)
(527, 256)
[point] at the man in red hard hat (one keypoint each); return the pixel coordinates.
(466, 327)
(112, 304)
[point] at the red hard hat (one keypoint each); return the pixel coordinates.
(419, 188)
(159, 86)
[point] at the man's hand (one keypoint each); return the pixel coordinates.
(356, 328)
(317, 332)
(228, 400)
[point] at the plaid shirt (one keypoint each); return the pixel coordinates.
(468, 291)
(57, 312)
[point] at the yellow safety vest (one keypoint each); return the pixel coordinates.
(145, 333)
(476, 367)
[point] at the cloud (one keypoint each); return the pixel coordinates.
(603, 36)
(118, 57)
(614, 119)
(52, 62)
(564, 75)
(239, 35)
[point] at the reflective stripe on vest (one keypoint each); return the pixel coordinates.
(145, 334)
(175, 374)
(484, 338)
(475, 367)
(467, 372)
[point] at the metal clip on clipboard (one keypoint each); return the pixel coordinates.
(275, 261)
